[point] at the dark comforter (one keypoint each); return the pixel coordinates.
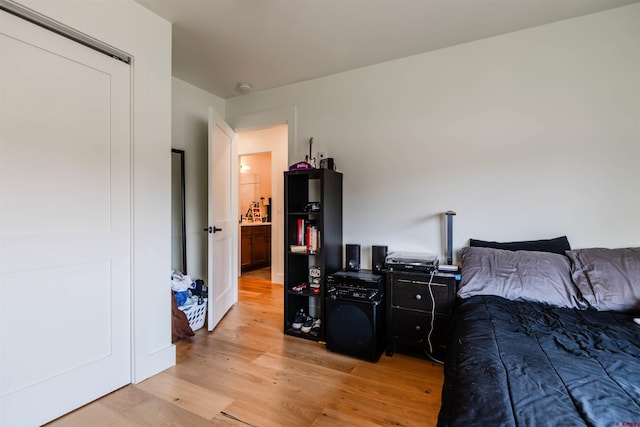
(527, 364)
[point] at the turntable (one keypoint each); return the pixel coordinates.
(411, 261)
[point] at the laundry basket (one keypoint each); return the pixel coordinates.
(196, 313)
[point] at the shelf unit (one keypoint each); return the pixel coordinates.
(323, 187)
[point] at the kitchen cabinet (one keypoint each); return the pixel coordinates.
(255, 244)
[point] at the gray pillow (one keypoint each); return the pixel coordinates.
(519, 275)
(609, 279)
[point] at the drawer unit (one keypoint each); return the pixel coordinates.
(410, 304)
(415, 294)
(412, 328)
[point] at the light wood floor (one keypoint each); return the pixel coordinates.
(247, 372)
(260, 273)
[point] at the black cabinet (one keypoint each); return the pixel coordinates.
(418, 309)
(313, 247)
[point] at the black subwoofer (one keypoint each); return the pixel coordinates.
(355, 328)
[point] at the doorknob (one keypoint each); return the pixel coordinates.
(212, 229)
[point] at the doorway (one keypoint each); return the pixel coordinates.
(262, 158)
(254, 205)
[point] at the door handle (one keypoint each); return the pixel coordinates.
(212, 229)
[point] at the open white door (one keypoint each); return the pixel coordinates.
(65, 224)
(223, 219)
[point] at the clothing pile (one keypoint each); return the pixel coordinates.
(187, 291)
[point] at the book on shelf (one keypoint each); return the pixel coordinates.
(307, 237)
(313, 238)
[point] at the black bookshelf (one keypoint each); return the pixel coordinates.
(323, 189)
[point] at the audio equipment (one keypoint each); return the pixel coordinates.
(352, 257)
(378, 258)
(360, 285)
(355, 328)
(412, 261)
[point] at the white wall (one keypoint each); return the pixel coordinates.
(532, 134)
(189, 133)
(131, 28)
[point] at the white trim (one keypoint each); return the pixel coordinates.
(265, 119)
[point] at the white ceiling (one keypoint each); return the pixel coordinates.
(271, 43)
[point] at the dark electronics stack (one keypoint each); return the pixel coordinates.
(355, 307)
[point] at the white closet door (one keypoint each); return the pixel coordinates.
(65, 224)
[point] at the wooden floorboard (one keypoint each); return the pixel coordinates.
(248, 373)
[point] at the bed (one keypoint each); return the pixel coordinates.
(544, 339)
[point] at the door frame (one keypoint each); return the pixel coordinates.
(262, 120)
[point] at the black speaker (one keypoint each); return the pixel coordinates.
(352, 257)
(355, 328)
(378, 256)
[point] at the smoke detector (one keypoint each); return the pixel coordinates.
(244, 87)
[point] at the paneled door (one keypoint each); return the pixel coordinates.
(65, 224)
(223, 219)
